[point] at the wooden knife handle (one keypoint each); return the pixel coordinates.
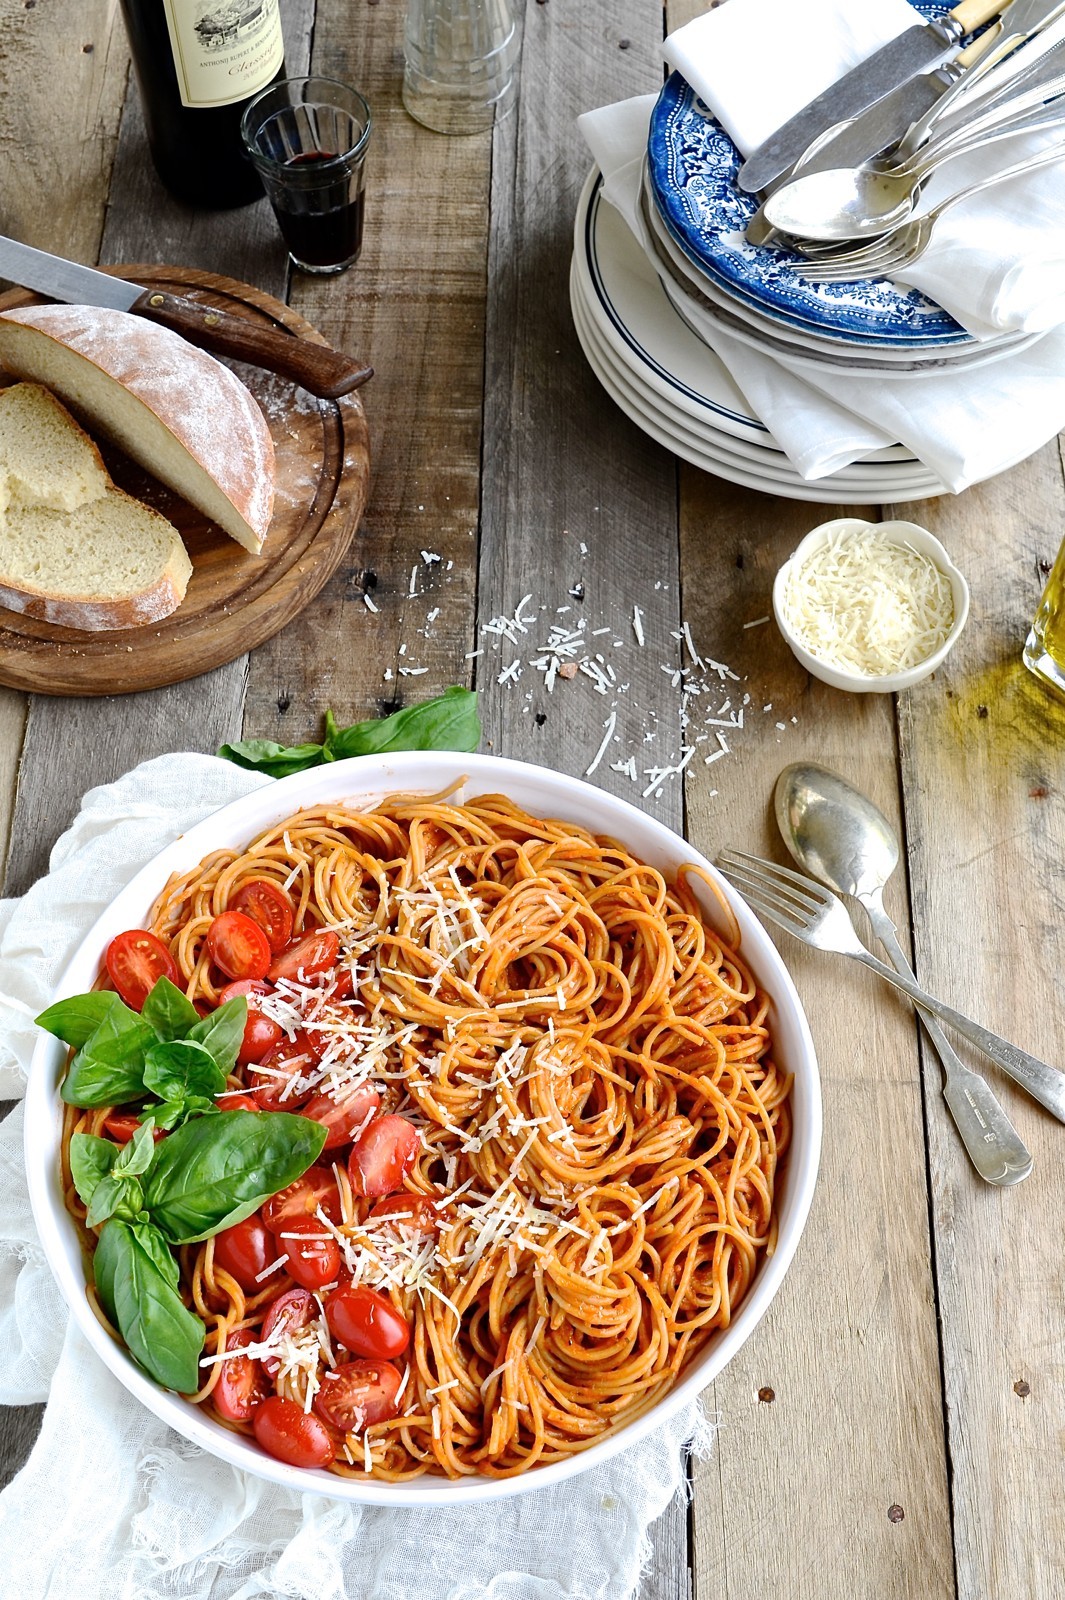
(974, 13)
(316, 367)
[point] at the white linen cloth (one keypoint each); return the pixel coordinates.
(112, 1505)
(965, 425)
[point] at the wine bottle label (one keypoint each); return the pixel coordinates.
(224, 50)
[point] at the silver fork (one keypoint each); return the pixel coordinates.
(907, 244)
(815, 915)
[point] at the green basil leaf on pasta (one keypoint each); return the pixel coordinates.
(182, 1067)
(221, 1034)
(76, 1019)
(276, 760)
(137, 1277)
(91, 1159)
(108, 1070)
(171, 1013)
(215, 1171)
(135, 1157)
(114, 1197)
(171, 1113)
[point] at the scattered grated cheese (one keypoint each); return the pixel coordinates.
(369, 604)
(610, 724)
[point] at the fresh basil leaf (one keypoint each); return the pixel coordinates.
(135, 1157)
(449, 722)
(91, 1160)
(137, 1278)
(108, 1070)
(76, 1020)
(215, 1171)
(276, 760)
(181, 1067)
(222, 1033)
(172, 1112)
(114, 1197)
(168, 1011)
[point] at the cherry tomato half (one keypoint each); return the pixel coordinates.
(261, 1034)
(267, 904)
(273, 1080)
(245, 1250)
(311, 954)
(366, 1322)
(293, 1310)
(313, 1256)
(342, 1117)
(317, 1187)
(230, 1100)
(238, 945)
(413, 1211)
(291, 1434)
(382, 1155)
(135, 962)
(122, 1127)
(359, 1393)
(241, 1385)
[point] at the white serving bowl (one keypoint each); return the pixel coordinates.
(859, 682)
(362, 782)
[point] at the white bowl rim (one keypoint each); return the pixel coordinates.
(363, 780)
(855, 682)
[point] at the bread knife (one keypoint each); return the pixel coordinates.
(893, 64)
(317, 368)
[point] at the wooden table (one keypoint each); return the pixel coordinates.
(895, 1428)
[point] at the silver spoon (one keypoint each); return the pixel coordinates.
(839, 836)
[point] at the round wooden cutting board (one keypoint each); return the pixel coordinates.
(234, 601)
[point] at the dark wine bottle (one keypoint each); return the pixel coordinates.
(198, 63)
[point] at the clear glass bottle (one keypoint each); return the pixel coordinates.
(461, 60)
(1044, 650)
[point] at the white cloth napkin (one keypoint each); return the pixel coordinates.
(757, 62)
(112, 1505)
(965, 425)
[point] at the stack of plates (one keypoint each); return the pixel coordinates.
(658, 370)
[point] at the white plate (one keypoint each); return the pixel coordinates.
(851, 486)
(699, 301)
(362, 781)
(634, 314)
(712, 458)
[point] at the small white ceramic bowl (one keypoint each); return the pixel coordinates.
(362, 782)
(859, 682)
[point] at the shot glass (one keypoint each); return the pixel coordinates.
(308, 139)
(1044, 649)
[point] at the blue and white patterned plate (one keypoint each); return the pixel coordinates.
(692, 165)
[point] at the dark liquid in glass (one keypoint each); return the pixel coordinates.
(321, 227)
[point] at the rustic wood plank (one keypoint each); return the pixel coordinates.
(984, 729)
(578, 507)
(831, 1414)
(110, 735)
(413, 306)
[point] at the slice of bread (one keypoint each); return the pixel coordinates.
(45, 458)
(172, 407)
(111, 563)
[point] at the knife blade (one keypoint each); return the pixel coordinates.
(320, 370)
(893, 64)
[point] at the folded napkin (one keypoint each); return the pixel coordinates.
(965, 425)
(112, 1505)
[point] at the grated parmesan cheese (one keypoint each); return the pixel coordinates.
(868, 603)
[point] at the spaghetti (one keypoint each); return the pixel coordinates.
(600, 1124)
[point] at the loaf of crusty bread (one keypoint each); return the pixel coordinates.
(172, 407)
(111, 563)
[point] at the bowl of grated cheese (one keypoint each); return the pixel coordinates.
(870, 607)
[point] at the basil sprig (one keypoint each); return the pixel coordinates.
(169, 1050)
(449, 722)
(210, 1174)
